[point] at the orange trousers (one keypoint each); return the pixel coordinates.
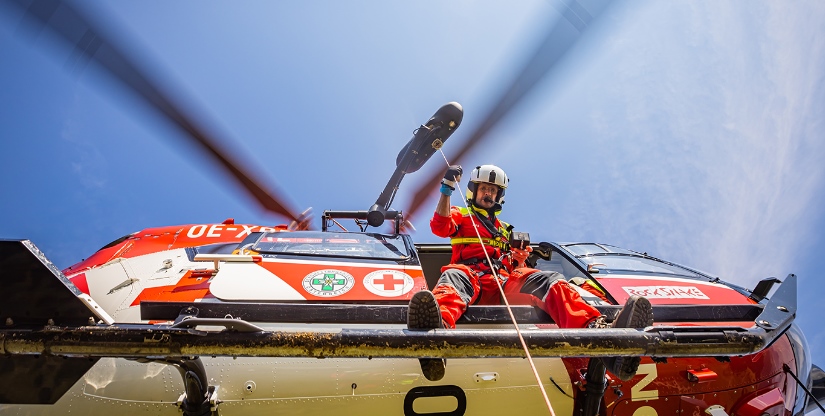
(460, 286)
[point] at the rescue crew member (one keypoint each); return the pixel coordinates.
(469, 278)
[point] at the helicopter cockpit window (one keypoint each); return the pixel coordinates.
(588, 249)
(116, 242)
(559, 264)
(352, 245)
(607, 259)
(219, 248)
(624, 263)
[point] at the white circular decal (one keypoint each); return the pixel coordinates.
(328, 283)
(388, 283)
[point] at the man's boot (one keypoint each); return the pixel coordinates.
(423, 314)
(636, 313)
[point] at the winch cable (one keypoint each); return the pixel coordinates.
(787, 369)
(506, 303)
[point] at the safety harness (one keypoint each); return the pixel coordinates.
(500, 235)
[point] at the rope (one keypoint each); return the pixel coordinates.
(507, 304)
(787, 369)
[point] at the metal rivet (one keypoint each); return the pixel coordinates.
(249, 387)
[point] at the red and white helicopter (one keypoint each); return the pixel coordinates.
(241, 318)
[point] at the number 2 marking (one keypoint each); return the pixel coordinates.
(636, 392)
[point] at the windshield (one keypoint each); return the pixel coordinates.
(353, 245)
(609, 259)
(618, 263)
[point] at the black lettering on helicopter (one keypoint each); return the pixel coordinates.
(436, 391)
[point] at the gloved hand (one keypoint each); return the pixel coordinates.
(520, 256)
(451, 179)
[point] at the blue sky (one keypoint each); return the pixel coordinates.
(689, 130)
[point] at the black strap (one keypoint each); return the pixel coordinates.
(471, 262)
(787, 369)
(489, 224)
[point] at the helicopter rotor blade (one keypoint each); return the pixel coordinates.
(558, 41)
(89, 43)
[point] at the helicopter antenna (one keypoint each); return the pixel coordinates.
(425, 141)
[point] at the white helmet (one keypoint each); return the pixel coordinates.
(487, 174)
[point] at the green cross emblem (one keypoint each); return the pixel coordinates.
(328, 282)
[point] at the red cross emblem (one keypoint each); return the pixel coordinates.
(389, 281)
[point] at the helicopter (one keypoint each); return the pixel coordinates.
(204, 227)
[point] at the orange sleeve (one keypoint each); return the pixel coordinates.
(445, 226)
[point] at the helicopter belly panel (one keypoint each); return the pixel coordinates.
(299, 386)
(382, 386)
(132, 381)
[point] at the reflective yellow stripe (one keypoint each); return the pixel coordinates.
(482, 211)
(580, 281)
(504, 229)
(474, 240)
(467, 240)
